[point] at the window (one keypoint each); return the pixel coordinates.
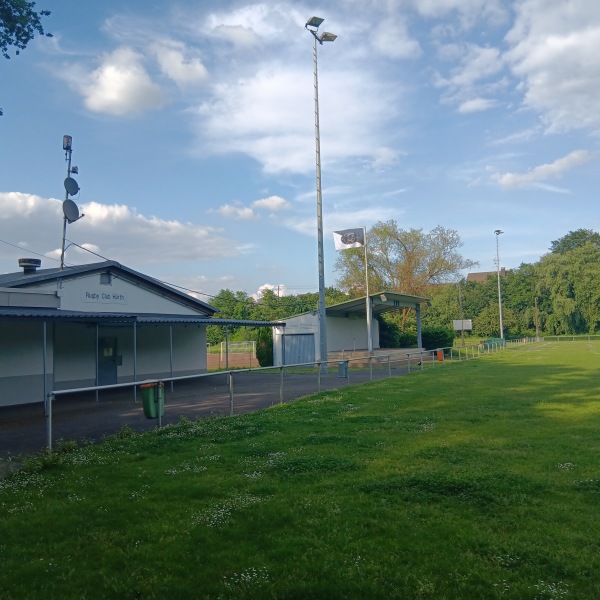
(105, 278)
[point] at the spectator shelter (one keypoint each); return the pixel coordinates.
(94, 325)
(346, 326)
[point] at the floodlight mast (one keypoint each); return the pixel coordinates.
(313, 25)
(498, 232)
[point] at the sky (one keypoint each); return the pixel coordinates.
(193, 133)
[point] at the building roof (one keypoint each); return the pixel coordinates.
(380, 303)
(20, 279)
(482, 276)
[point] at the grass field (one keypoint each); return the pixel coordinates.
(480, 479)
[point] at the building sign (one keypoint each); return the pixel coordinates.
(103, 297)
(464, 324)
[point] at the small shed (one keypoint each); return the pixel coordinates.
(346, 326)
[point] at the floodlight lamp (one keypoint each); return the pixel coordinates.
(75, 170)
(498, 231)
(67, 142)
(383, 297)
(314, 22)
(327, 37)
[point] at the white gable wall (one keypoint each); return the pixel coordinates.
(86, 293)
(343, 333)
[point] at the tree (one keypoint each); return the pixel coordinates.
(19, 23)
(570, 282)
(407, 262)
(575, 239)
(264, 347)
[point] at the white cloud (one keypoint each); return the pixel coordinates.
(545, 171)
(272, 203)
(469, 11)
(391, 38)
(119, 86)
(476, 105)
(554, 47)
(268, 116)
(248, 213)
(174, 62)
(279, 290)
(240, 213)
(478, 73)
(383, 158)
(101, 231)
(237, 35)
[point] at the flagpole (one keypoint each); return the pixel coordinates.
(368, 299)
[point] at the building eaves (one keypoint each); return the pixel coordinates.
(41, 314)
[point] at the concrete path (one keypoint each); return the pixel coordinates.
(23, 429)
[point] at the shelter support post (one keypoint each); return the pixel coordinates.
(419, 336)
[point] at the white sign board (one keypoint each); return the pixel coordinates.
(464, 325)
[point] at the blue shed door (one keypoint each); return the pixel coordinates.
(298, 348)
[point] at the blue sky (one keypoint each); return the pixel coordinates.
(193, 131)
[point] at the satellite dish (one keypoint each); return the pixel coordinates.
(71, 186)
(70, 210)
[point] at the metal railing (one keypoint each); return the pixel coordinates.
(407, 363)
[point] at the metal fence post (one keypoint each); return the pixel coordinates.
(280, 385)
(389, 366)
(371, 368)
(230, 393)
(319, 375)
(49, 399)
(408, 361)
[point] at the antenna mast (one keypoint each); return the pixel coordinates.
(70, 209)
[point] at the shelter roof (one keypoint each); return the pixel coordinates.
(381, 302)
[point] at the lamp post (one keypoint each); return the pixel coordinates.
(312, 25)
(498, 232)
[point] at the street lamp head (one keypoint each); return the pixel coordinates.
(327, 37)
(314, 22)
(498, 231)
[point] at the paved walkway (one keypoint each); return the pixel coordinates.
(23, 429)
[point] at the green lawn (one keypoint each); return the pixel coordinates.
(478, 479)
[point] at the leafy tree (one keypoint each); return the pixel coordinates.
(575, 239)
(231, 305)
(570, 283)
(403, 261)
(19, 23)
(264, 346)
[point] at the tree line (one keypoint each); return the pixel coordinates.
(558, 295)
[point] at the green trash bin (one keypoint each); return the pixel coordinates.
(153, 399)
(343, 368)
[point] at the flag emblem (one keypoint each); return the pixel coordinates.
(349, 238)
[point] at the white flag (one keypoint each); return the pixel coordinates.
(349, 238)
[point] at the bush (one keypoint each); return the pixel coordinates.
(437, 337)
(264, 347)
(390, 336)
